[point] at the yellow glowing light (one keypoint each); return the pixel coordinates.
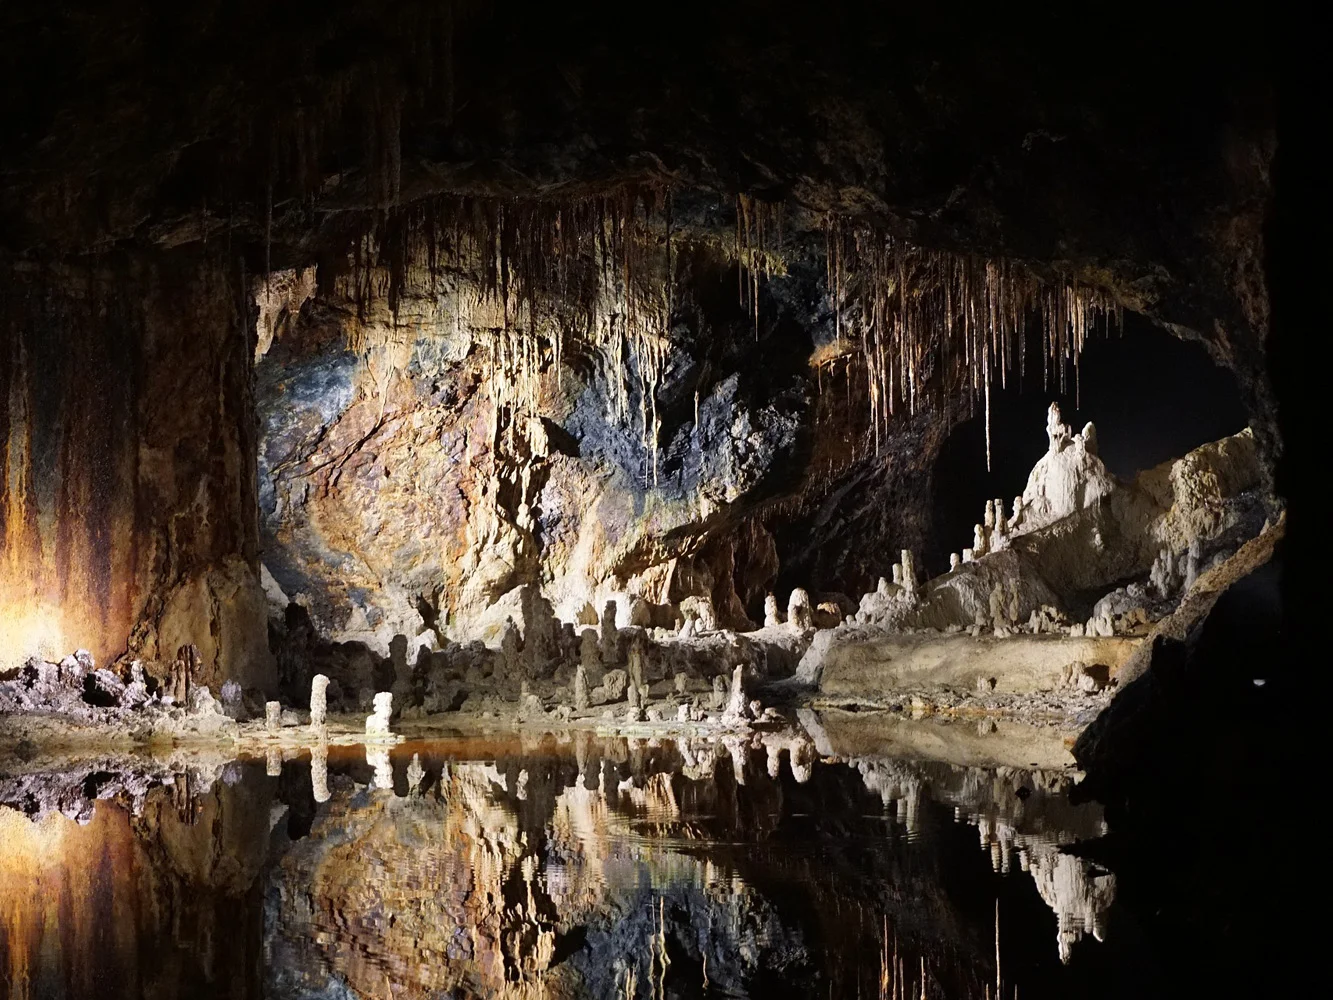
(29, 629)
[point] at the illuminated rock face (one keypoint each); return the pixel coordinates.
(126, 482)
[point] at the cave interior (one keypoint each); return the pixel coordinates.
(869, 383)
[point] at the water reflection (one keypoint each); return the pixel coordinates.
(537, 867)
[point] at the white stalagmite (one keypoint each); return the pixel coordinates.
(908, 572)
(954, 561)
(319, 685)
(799, 614)
(272, 716)
(771, 616)
(377, 723)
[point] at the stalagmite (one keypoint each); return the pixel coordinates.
(634, 710)
(682, 683)
(610, 636)
(590, 654)
(989, 517)
(580, 694)
(510, 651)
(737, 704)
(719, 697)
(897, 574)
(954, 561)
(319, 685)
(771, 615)
(635, 668)
(979, 547)
(799, 614)
(273, 716)
(909, 572)
(377, 723)
(1193, 556)
(969, 555)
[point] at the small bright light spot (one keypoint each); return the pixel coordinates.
(1259, 682)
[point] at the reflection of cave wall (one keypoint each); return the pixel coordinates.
(160, 904)
(126, 467)
(1152, 397)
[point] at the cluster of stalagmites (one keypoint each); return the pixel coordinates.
(1074, 522)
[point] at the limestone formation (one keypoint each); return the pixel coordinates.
(909, 580)
(510, 651)
(719, 694)
(614, 683)
(273, 716)
(377, 723)
(610, 636)
(590, 653)
(799, 614)
(580, 693)
(1069, 477)
(954, 561)
(771, 615)
(737, 708)
(319, 685)
(682, 683)
(634, 673)
(703, 611)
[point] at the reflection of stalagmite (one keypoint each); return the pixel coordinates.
(1079, 898)
(318, 700)
(416, 774)
(319, 772)
(273, 762)
(378, 758)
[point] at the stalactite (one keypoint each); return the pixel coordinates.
(933, 318)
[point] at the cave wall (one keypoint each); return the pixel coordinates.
(414, 468)
(127, 517)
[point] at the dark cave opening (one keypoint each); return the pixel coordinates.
(1152, 397)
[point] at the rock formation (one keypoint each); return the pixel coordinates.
(799, 614)
(377, 723)
(319, 686)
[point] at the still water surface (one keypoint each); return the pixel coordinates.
(547, 868)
